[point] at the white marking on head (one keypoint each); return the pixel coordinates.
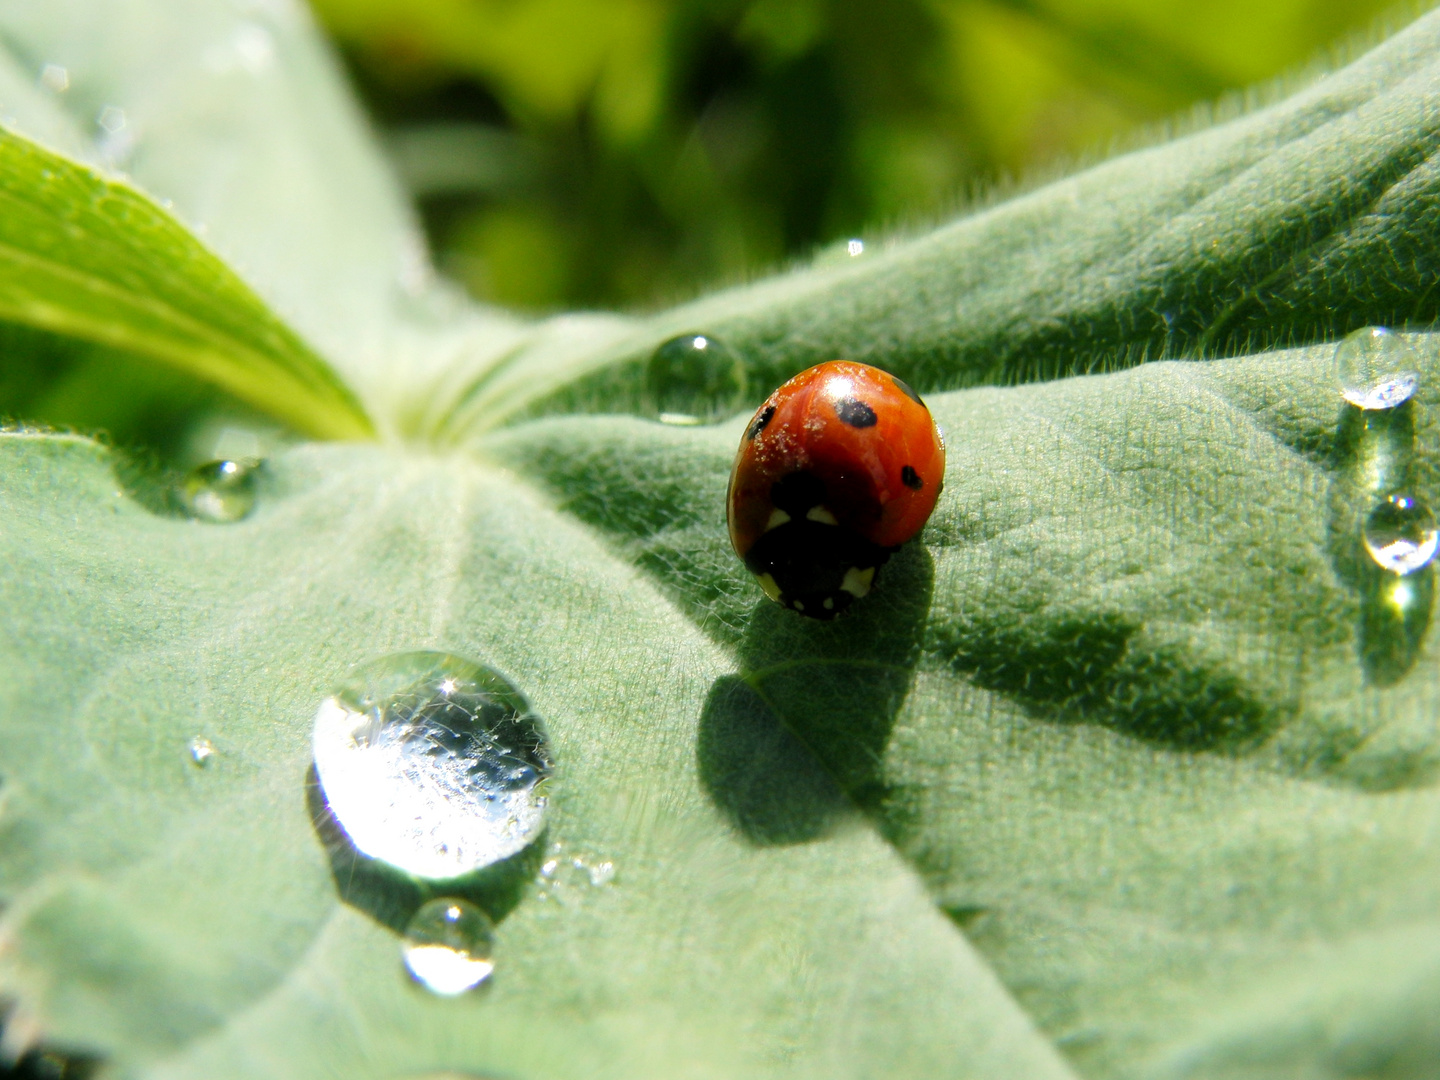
(777, 517)
(772, 590)
(822, 515)
(857, 582)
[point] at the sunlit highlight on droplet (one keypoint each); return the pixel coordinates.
(1400, 534)
(432, 764)
(449, 946)
(1376, 368)
(220, 492)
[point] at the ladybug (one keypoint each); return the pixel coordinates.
(836, 470)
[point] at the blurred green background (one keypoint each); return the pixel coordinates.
(626, 153)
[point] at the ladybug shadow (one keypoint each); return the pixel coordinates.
(390, 897)
(795, 739)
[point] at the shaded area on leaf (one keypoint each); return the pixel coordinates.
(1091, 669)
(391, 898)
(764, 780)
(836, 688)
(52, 1063)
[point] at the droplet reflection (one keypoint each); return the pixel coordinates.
(220, 492)
(432, 764)
(1400, 534)
(694, 379)
(1376, 368)
(201, 750)
(449, 946)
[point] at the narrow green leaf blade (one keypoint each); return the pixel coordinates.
(90, 256)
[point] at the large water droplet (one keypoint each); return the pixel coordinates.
(449, 945)
(220, 491)
(694, 379)
(432, 764)
(1376, 368)
(1400, 534)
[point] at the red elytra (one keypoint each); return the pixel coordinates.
(837, 469)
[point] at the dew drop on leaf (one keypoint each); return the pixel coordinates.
(1376, 368)
(201, 750)
(694, 379)
(449, 946)
(220, 491)
(1400, 534)
(564, 874)
(432, 764)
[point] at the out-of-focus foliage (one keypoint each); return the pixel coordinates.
(618, 152)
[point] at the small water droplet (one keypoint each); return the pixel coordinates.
(854, 248)
(562, 875)
(220, 491)
(1400, 534)
(432, 764)
(1376, 368)
(449, 946)
(55, 78)
(694, 379)
(201, 750)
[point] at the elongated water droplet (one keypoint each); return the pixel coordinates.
(449, 946)
(220, 491)
(1376, 368)
(1400, 534)
(694, 379)
(432, 764)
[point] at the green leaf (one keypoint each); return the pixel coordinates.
(184, 920)
(89, 256)
(1127, 768)
(1117, 709)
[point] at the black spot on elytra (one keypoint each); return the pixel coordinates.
(904, 388)
(911, 479)
(758, 424)
(855, 412)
